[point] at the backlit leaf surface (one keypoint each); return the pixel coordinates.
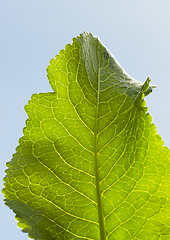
(90, 164)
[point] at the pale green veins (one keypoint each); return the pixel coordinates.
(90, 164)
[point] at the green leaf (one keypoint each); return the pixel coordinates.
(90, 164)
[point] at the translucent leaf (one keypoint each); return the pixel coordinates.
(90, 164)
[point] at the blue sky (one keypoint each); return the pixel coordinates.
(136, 32)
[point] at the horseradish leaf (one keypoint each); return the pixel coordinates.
(90, 164)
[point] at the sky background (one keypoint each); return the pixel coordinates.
(32, 32)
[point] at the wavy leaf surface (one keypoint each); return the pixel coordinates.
(90, 164)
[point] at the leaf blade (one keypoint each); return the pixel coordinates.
(92, 133)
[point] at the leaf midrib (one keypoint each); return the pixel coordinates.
(98, 190)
